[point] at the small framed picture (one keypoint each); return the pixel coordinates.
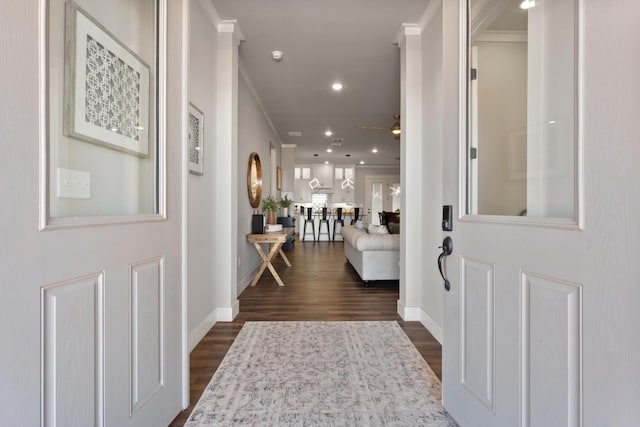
(196, 140)
(278, 178)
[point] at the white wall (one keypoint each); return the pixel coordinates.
(254, 135)
(201, 189)
(431, 292)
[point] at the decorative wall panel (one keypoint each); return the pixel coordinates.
(147, 330)
(551, 352)
(478, 329)
(73, 352)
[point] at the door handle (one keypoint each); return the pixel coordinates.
(447, 249)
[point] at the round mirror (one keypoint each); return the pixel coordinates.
(254, 180)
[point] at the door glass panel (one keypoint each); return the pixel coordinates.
(521, 146)
(102, 108)
(395, 196)
(377, 201)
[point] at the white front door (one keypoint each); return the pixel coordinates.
(539, 323)
(90, 253)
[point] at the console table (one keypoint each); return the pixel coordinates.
(276, 240)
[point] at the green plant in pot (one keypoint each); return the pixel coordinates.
(284, 203)
(270, 206)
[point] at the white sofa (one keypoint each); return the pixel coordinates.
(374, 256)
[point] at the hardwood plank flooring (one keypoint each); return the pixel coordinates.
(321, 285)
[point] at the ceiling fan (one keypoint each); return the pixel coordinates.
(395, 128)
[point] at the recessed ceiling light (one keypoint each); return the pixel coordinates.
(329, 150)
(336, 86)
(362, 162)
(552, 122)
(326, 162)
(328, 133)
(527, 4)
(374, 150)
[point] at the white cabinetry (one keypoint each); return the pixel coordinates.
(324, 174)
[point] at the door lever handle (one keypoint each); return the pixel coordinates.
(447, 249)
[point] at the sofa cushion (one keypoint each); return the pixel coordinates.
(363, 241)
(394, 227)
(377, 229)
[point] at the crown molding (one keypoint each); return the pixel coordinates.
(231, 26)
(406, 30)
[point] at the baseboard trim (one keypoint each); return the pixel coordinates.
(417, 314)
(220, 314)
(227, 314)
(196, 335)
(431, 325)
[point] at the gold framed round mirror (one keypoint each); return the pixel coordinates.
(254, 180)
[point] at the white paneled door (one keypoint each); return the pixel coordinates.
(540, 321)
(90, 315)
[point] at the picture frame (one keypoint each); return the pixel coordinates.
(278, 178)
(195, 135)
(107, 87)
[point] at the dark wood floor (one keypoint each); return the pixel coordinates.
(320, 285)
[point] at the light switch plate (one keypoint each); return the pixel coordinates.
(73, 184)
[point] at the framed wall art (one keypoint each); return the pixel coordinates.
(106, 98)
(196, 139)
(278, 178)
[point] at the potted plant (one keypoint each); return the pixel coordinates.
(284, 203)
(270, 205)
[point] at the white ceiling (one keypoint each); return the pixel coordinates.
(324, 41)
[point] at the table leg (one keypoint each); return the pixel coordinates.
(266, 263)
(284, 257)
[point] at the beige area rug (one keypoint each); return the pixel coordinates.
(322, 374)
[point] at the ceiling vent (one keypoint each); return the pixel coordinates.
(337, 140)
(295, 133)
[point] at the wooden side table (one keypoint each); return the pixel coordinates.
(276, 240)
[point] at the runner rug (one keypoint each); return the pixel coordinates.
(322, 374)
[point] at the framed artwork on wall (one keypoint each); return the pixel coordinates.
(196, 140)
(278, 178)
(106, 97)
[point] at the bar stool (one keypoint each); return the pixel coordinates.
(324, 220)
(338, 219)
(356, 215)
(309, 218)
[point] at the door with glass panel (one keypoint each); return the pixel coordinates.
(512, 350)
(91, 288)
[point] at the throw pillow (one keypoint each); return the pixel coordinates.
(394, 227)
(377, 229)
